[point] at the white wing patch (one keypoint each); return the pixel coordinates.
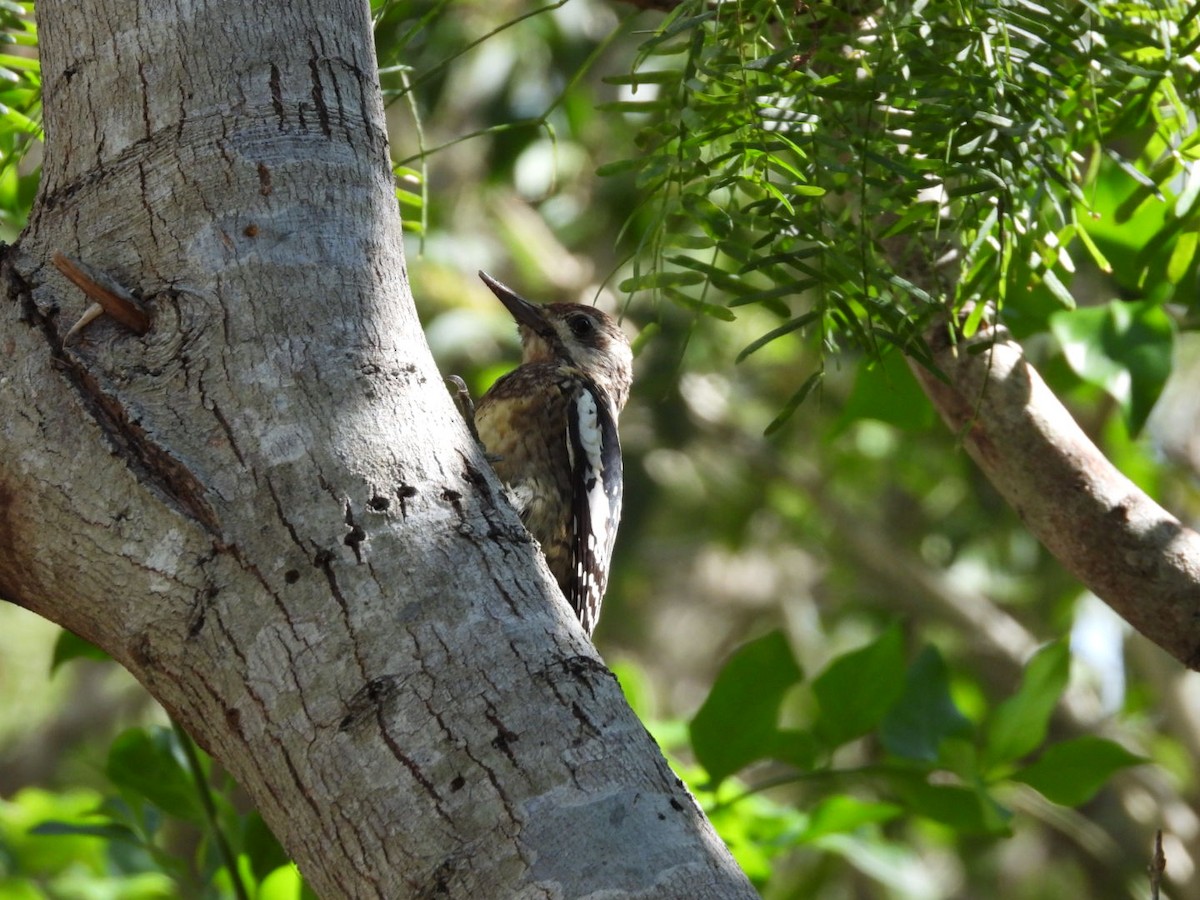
(595, 455)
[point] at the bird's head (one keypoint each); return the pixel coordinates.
(571, 333)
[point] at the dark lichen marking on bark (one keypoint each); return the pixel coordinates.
(490, 774)
(504, 737)
(287, 523)
(454, 498)
(297, 779)
(9, 530)
(153, 465)
(264, 179)
(201, 602)
(141, 652)
(145, 97)
(584, 720)
(373, 697)
(324, 560)
(579, 669)
(509, 601)
(477, 480)
(356, 537)
(405, 492)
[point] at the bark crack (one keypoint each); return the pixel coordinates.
(413, 769)
(225, 427)
(277, 97)
(318, 91)
(151, 464)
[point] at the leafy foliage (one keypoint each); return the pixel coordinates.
(162, 796)
(857, 169)
(169, 824)
(922, 757)
(1121, 348)
(20, 108)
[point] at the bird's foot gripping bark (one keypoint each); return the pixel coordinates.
(466, 408)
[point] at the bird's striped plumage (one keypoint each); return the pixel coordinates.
(551, 427)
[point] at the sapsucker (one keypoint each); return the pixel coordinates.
(550, 426)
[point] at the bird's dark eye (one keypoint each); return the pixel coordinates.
(581, 326)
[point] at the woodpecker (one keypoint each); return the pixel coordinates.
(550, 426)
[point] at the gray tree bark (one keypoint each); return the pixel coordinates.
(266, 507)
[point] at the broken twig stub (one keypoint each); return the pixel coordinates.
(114, 299)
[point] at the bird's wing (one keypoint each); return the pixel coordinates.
(595, 454)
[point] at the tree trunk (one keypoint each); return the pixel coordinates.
(266, 507)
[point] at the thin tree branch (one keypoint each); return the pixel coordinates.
(1127, 549)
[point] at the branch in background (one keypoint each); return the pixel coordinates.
(1133, 554)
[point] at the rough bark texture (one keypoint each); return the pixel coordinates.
(1127, 549)
(267, 508)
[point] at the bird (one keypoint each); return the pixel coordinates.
(549, 427)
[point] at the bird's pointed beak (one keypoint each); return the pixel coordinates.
(522, 310)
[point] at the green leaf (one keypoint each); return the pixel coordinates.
(888, 392)
(71, 646)
(1072, 772)
(108, 831)
(620, 166)
(1124, 348)
(261, 847)
(646, 76)
(739, 721)
(147, 763)
(409, 199)
(688, 241)
(1019, 723)
(636, 106)
(842, 813)
(925, 712)
(714, 220)
(786, 328)
(966, 810)
(794, 402)
(858, 688)
(701, 306)
(1057, 289)
(284, 883)
(654, 280)
(1183, 255)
